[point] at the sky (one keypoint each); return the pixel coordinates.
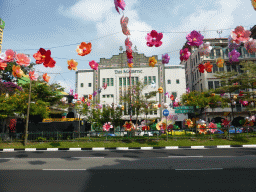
(61, 25)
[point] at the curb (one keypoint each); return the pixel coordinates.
(126, 148)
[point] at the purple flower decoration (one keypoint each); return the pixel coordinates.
(232, 44)
(130, 60)
(188, 90)
(71, 92)
(165, 59)
(233, 56)
(94, 93)
(195, 38)
(167, 94)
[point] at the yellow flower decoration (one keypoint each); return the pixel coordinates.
(128, 126)
(220, 62)
(122, 107)
(152, 61)
(235, 96)
(130, 65)
(160, 90)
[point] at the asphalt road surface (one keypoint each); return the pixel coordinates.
(155, 170)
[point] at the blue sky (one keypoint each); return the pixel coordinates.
(61, 25)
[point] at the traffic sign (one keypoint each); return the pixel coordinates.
(184, 111)
(184, 107)
(165, 112)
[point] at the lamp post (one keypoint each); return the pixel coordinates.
(29, 99)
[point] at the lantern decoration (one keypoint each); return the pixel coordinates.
(165, 59)
(122, 107)
(208, 67)
(160, 90)
(105, 86)
(46, 77)
(129, 126)
(119, 4)
(241, 93)
(107, 126)
(76, 96)
(205, 49)
(124, 21)
(213, 94)
(184, 54)
(235, 97)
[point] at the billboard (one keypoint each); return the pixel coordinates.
(2, 24)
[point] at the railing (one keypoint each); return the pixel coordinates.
(119, 135)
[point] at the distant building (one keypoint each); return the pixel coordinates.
(2, 25)
(115, 73)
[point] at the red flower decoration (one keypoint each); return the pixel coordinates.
(3, 65)
(225, 122)
(129, 55)
(42, 56)
(241, 93)
(201, 68)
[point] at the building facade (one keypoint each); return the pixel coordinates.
(2, 25)
(197, 81)
(115, 73)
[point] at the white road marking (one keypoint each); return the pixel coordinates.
(7, 158)
(63, 169)
(184, 156)
(87, 157)
(198, 169)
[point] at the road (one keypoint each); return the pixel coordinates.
(231, 169)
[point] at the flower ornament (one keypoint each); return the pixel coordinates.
(240, 34)
(213, 127)
(46, 77)
(184, 54)
(187, 90)
(120, 4)
(205, 49)
(71, 92)
(94, 65)
(153, 84)
(145, 128)
(90, 97)
(76, 96)
(167, 94)
(152, 61)
(155, 106)
(244, 103)
(84, 49)
(220, 62)
(128, 45)
(99, 106)
(172, 97)
(2, 65)
(154, 39)
(107, 126)
(105, 86)
(201, 68)
(195, 38)
(254, 4)
(128, 126)
(124, 21)
(22, 59)
(43, 56)
(241, 93)
(72, 64)
(235, 97)
(235, 83)
(225, 122)
(232, 44)
(166, 105)
(9, 55)
(165, 59)
(250, 45)
(233, 56)
(189, 123)
(160, 90)
(129, 54)
(17, 72)
(94, 93)
(33, 76)
(175, 104)
(130, 65)
(122, 107)
(208, 67)
(130, 60)
(159, 105)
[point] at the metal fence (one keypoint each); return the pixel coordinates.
(118, 135)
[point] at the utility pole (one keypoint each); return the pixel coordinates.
(29, 98)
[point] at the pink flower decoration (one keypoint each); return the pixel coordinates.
(22, 59)
(105, 86)
(71, 92)
(124, 22)
(94, 65)
(76, 96)
(188, 90)
(232, 44)
(244, 103)
(205, 49)
(167, 94)
(94, 93)
(99, 106)
(195, 38)
(10, 55)
(184, 54)
(250, 45)
(120, 4)
(165, 59)
(213, 127)
(88, 104)
(240, 34)
(107, 126)
(175, 104)
(154, 39)
(33, 76)
(233, 56)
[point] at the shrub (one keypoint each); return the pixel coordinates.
(51, 138)
(41, 139)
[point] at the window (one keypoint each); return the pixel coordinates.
(210, 84)
(240, 51)
(216, 84)
(240, 68)
(136, 80)
(132, 80)
(228, 68)
(222, 83)
(124, 81)
(155, 111)
(226, 52)
(221, 68)
(120, 81)
(128, 81)
(103, 96)
(146, 94)
(234, 68)
(212, 54)
(154, 79)
(82, 85)
(215, 68)
(218, 53)
(145, 80)
(103, 81)
(149, 80)
(197, 74)
(238, 107)
(89, 84)
(107, 96)
(168, 81)
(112, 81)
(108, 81)
(86, 96)
(174, 94)
(112, 95)
(177, 81)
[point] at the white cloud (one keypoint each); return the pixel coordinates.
(67, 85)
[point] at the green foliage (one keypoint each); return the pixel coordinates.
(41, 139)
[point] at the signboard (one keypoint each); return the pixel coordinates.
(165, 112)
(184, 107)
(60, 119)
(184, 111)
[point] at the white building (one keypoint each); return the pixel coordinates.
(115, 73)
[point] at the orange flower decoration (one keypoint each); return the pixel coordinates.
(2, 65)
(213, 94)
(159, 105)
(46, 77)
(152, 61)
(208, 67)
(72, 64)
(17, 72)
(220, 62)
(189, 123)
(84, 49)
(90, 97)
(130, 65)
(128, 126)
(160, 90)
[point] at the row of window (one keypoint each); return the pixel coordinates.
(148, 79)
(89, 85)
(123, 81)
(177, 81)
(107, 96)
(111, 83)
